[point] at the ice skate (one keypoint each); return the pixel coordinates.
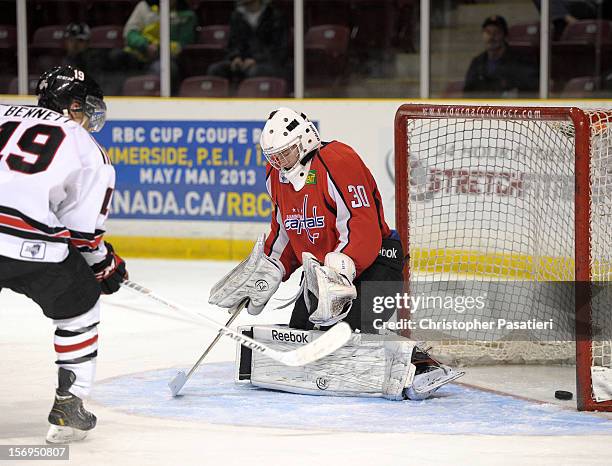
(69, 420)
(429, 376)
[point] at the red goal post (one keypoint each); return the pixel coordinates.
(506, 230)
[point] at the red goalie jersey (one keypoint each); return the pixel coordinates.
(339, 209)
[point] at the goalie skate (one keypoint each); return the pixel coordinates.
(429, 380)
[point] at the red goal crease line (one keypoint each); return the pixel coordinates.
(566, 407)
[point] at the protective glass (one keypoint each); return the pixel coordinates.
(95, 110)
(285, 158)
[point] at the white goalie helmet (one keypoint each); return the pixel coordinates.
(287, 138)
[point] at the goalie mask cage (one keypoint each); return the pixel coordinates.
(517, 200)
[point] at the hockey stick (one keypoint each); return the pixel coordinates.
(180, 379)
(327, 343)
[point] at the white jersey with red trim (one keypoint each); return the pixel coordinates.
(338, 209)
(56, 184)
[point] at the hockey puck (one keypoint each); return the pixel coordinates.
(563, 395)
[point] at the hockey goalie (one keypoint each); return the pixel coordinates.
(327, 218)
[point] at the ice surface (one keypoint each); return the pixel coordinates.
(211, 396)
(228, 425)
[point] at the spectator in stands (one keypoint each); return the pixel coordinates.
(499, 71)
(560, 16)
(566, 12)
(95, 62)
(257, 44)
(78, 53)
(141, 32)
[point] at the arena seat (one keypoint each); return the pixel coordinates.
(195, 59)
(49, 37)
(47, 48)
(5, 81)
(262, 87)
(8, 49)
(525, 39)
(106, 37)
(215, 34)
(32, 82)
(581, 87)
(583, 49)
(144, 85)
(204, 86)
(453, 89)
(325, 53)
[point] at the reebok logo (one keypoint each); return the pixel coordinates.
(389, 253)
(290, 337)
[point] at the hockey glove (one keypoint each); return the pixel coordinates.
(111, 271)
(257, 278)
(332, 286)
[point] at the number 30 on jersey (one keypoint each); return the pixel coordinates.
(360, 196)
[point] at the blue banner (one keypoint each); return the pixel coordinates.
(187, 170)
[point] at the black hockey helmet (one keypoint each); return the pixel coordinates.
(60, 87)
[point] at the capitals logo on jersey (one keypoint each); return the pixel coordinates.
(302, 222)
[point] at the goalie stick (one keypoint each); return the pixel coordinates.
(180, 379)
(327, 343)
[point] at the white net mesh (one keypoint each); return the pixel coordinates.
(601, 250)
(491, 214)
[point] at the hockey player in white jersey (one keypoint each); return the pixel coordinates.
(56, 183)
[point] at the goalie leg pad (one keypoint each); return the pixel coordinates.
(399, 370)
(364, 368)
(257, 277)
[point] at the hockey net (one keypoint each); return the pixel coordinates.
(510, 207)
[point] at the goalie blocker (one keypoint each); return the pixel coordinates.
(392, 369)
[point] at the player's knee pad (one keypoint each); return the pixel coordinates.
(362, 367)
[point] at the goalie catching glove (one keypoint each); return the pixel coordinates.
(257, 278)
(332, 286)
(111, 271)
